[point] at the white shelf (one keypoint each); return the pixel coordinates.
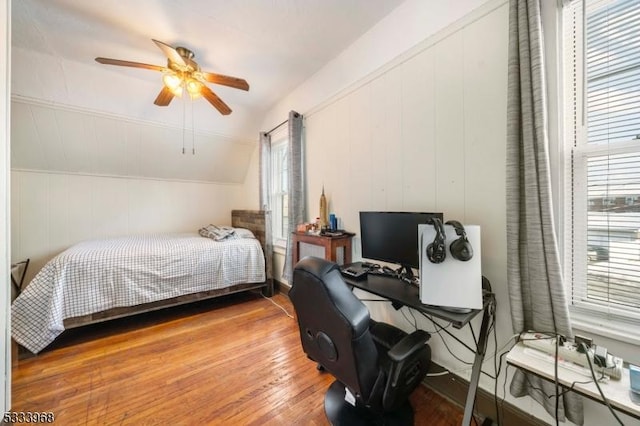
(617, 392)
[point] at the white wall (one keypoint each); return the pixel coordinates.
(423, 132)
(52, 211)
(5, 217)
(407, 25)
(83, 174)
(426, 133)
(422, 129)
(67, 139)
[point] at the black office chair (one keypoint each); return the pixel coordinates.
(379, 365)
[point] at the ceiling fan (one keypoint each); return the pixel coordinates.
(183, 73)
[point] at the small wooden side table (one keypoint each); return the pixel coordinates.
(330, 244)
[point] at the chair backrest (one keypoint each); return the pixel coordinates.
(334, 325)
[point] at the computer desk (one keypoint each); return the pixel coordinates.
(402, 294)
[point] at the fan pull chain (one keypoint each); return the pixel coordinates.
(184, 112)
(193, 132)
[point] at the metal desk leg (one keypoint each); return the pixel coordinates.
(477, 366)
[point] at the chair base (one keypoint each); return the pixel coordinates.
(341, 413)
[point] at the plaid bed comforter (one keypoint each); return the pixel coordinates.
(94, 276)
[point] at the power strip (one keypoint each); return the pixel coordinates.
(569, 352)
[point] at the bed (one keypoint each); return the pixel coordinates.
(98, 280)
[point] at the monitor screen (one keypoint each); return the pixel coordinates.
(392, 236)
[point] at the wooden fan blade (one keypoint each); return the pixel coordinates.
(225, 80)
(215, 101)
(164, 97)
(109, 61)
(171, 53)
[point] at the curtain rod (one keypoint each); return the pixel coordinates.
(278, 126)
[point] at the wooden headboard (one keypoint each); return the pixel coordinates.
(258, 222)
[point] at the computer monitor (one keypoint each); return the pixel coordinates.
(393, 237)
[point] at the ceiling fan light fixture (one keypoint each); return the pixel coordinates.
(194, 87)
(183, 73)
(173, 82)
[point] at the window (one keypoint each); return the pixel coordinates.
(279, 188)
(602, 133)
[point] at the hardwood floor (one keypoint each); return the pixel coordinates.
(235, 361)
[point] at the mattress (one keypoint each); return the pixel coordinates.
(97, 275)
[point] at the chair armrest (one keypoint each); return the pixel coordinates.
(409, 362)
(409, 345)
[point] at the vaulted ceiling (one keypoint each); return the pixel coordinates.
(274, 44)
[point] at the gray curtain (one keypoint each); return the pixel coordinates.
(536, 291)
(265, 199)
(265, 171)
(297, 201)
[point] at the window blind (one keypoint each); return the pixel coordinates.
(602, 128)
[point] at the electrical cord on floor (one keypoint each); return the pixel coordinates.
(440, 373)
(278, 305)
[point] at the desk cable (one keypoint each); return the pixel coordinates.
(439, 328)
(497, 360)
(593, 376)
(557, 395)
(540, 390)
(517, 338)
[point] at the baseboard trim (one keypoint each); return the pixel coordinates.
(281, 287)
(455, 389)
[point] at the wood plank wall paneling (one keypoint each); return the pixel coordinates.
(5, 208)
(52, 211)
(60, 138)
(425, 133)
(236, 360)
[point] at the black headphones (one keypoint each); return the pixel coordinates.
(437, 251)
(460, 248)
